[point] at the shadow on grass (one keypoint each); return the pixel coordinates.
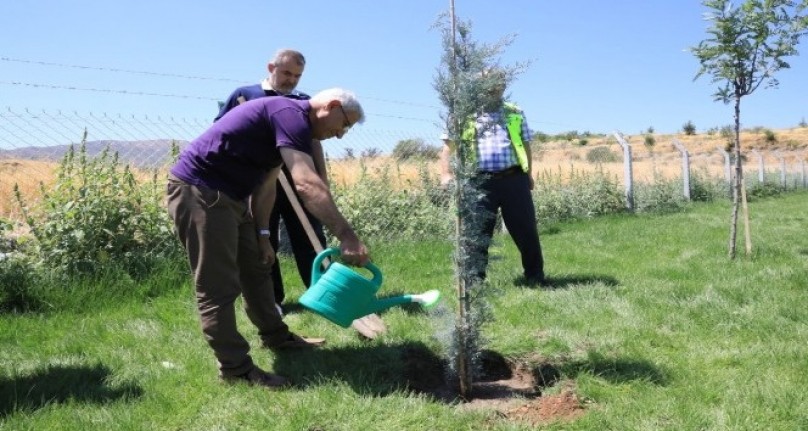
(57, 384)
(375, 370)
(616, 370)
(566, 282)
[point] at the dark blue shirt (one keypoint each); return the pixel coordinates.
(251, 92)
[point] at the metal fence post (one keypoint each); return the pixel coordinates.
(685, 168)
(727, 169)
(627, 170)
(782, 161)
(761, 167)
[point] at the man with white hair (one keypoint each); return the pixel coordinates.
(220, 194)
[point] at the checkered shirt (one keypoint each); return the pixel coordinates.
(494, 150)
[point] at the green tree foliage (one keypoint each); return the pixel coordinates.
(746, 46)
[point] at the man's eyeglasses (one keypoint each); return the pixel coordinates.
(347, 125)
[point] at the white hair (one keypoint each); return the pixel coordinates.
(346, 99)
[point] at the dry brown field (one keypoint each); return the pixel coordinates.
(559, 160)
(27, 174)
(562, 159)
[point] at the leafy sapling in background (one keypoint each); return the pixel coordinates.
(746, 46)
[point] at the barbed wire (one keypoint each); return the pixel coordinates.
(176, 75)
(193, 77)
(105, 90)
(117, 70)
(140, 93)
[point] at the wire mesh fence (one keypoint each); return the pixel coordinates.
(33, 142)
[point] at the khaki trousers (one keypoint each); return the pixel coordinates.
(219, 236)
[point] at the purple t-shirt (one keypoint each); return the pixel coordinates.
(236, 152)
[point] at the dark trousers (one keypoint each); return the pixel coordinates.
(302, 248)
(511, 195)
(219, 235)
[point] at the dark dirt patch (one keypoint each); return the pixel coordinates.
(513, 388)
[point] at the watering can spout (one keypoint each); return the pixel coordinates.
(385, 303)
(427, 299)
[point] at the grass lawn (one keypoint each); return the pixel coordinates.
(648, 322)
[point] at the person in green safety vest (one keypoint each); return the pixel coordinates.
(497, 144)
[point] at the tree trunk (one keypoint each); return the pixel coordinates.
(737, 180)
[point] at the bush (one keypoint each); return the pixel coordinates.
(380, 211)
(760, 190)
(97, 215)
(704, 188)
(539, 138)
(689, 128)
(769, 137)
(584, 195)
(19, 286)
(601, 155)
(415, 149)
(662, 196)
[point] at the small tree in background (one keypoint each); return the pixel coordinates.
(462, 86)
(408, 149)
(689, 128)
(746, 46)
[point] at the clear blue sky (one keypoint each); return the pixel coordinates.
(597, 66)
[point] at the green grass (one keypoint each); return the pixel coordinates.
(649, 321)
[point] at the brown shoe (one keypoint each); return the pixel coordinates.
(258, 377)
(297, 342)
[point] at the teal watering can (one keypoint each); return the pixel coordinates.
(342, 295)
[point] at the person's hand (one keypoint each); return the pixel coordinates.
(354, 252)
(265, 252)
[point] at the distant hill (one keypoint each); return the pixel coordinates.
(141, 154)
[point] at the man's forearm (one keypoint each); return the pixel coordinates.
(318, 201)
(315, 194)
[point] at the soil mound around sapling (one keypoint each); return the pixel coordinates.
(514, 389)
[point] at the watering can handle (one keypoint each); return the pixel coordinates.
(317, 267)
